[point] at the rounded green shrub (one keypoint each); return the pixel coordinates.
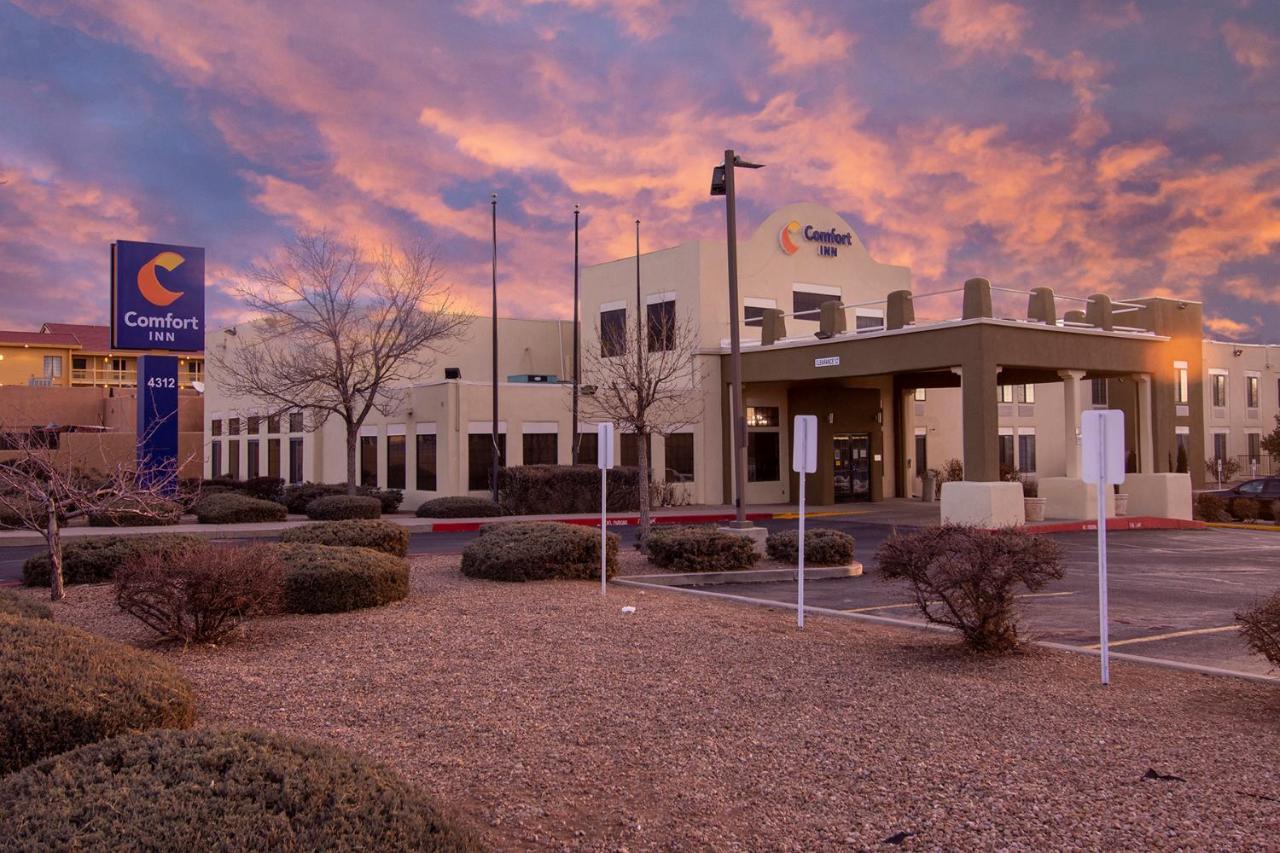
(379, 535)
(337, 578)
(564, 489)
(61, 687)
(338, 507)
(221, 790)
(538, 550)
(822, 547)
(95, 559)
(1246, 509)
(459, 507)
(15, 605)
(235, 508)
(699, 549)
(137, 512)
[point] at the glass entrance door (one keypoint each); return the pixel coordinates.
(852, 467)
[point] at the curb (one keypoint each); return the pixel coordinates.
(1137, 522)
(815, 573)
(614, 521)
(1240, 525)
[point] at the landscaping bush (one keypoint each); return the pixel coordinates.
(96, 559)
(966, 577)
(339, 507)
(221, 790)
(538, 550)
(235, 508)
(15, 605)
(1260, 627)
(389, 499)
(1211, 508)
(262, 488)
(336, 578)
(10, 520)
(297, 496)
(379, 535)
(201, 594)
(822, 547)
(560, 489)
(459, 507)
(1246, 509)
(137, 512)
(61, 687)
(699, 549)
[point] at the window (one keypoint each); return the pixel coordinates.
(295, 422)
(1024, 393)
(1181, 393)
(273, 423)
(233, 426)
(1006, 451)
(1255, 448)
(426, 464)
(762, 416)
(1099, 392)
(920, 395)
(613, 332)
(1254, 488)
(53, 366)
(588, 448)
(753, 315)
(1027, 453)
(1252, 392)
(253, 424)
(631, 450)
(79, 363)
(395, 461)
(868, 319)
(251, 458)
(1005, 393)
(215, 427)
(662, 325)
(480, 459)
(233, 460)
(922, 454)
(680, 457)
(295, 460)
(1182, 446)
(368, 460)
(540, 448)
(762, 457)
(215, 460)
(1218, 390)
(1219, 445)
(806, 304)
(273, 457)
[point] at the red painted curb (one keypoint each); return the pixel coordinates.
(1127, 523)
(615, 521)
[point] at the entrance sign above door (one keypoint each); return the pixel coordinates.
(827, 361)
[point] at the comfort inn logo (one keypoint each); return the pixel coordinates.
(828, 241)
(157, 296)
(150, 287)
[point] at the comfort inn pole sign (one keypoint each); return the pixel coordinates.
(157, 297)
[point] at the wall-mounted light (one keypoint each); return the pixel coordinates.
(831, 417)
(1237, 353)
(880, 416)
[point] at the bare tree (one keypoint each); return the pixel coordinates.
(647, 382)
(41, 491)
(341, 333)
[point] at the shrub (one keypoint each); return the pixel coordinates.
(459, 507)
(1260, 628)
(1246, 509)
(1211, 508)
(262, 488)
(297, 496)
(966, 578)
(822, 547)
(201, 594)
(235, 508)
(699, 549)
(10, 520)
(1030, 487)
(336, 578)
(221, 790)
(137, 512)
(14, 605)
(339, 507)
(61, 687)
(96, 559)
(359, 533)
(389, 499)
(538, 550)
(559, 489)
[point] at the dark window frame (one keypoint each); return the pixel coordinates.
(613, 332)
(397, 450)
(426, 447)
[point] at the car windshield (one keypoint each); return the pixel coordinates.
(1253, 487)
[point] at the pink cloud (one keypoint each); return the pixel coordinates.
(1250, 48)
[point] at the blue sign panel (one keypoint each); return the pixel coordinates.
(157, 296)
(158, 418)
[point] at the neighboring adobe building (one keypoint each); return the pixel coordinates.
(998, 377)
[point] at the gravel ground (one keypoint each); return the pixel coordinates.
(553, 721)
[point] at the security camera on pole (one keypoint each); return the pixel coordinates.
(1102, 461)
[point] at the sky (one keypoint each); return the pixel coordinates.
(1094, 146)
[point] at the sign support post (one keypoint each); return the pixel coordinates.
(1102, 458)
(604, 459)
(804, 460)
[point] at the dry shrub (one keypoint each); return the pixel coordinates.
(235, 508)
(822, 547)
(221, 790)
(966, 578)
(1211, 508)
(459, 507)
(336, 578)
(15, 605)
(385, 536)
(1260, 627)
(61, 687)
(1246, 509)
(338, 507)
(699, 549)
(538, 550)
(565, 489)
(136, 511)
(96, 559)
(202, 594)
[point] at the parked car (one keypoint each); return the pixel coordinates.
(1263, 489)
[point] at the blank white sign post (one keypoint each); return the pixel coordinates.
(604, 459)
(804, 460)
(1102, 464)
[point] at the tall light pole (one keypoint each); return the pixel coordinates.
(577, 355)
(493, 474)
(722, 184)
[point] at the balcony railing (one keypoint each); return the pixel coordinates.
(124, 378)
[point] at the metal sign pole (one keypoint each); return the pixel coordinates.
(603, 528)
(804, 461)
(604, 459)
(800, 597)
(1102, 556)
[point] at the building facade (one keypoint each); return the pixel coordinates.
(75, 355)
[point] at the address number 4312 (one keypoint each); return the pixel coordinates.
(162, 382)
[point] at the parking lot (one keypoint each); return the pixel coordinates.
(1173, 593)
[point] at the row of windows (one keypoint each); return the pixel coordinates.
(660, 328)
(253, 424)
(253, 460)
(1252, 391)
(1025, 461)
(1253, 446)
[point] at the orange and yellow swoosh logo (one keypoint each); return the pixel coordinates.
(150, 287)
(784, 237)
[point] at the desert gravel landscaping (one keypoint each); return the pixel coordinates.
(552, 721)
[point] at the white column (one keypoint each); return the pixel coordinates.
(1072, 401)
(1146, 427)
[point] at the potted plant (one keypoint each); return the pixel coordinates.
(1122, 501)
(1032, 503)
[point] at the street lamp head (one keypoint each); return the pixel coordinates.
(739, 163)
(717, 181)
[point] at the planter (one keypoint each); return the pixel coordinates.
(1122, 504)
(1033, 508)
